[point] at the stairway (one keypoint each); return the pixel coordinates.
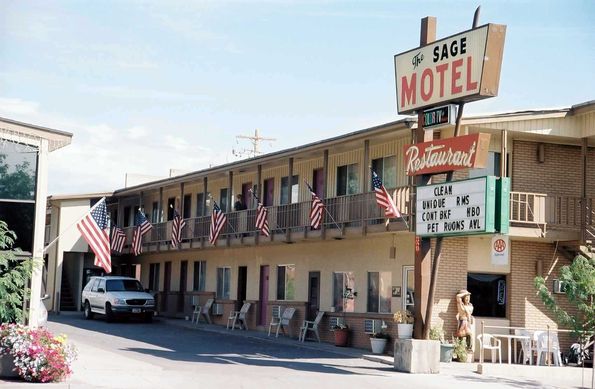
(66, 297)
(570, 249)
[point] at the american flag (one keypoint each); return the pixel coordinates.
(95, 229)
(316, 209)
(118, 239)
(176, 229)
(218, 219)
(142, 227)
(384, 199)
(261, 216)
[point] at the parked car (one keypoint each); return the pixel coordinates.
(114, 296)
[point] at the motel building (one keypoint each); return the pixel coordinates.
(358, 268)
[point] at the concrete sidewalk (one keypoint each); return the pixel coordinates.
(572, 376)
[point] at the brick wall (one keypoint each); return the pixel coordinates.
(452, 276)
(559, 174)
(526, 308)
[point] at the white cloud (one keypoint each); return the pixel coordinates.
(126, 92)
(136, 132)
(13, 106)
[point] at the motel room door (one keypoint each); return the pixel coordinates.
(242, 283)
(263, 298)
(313, 294)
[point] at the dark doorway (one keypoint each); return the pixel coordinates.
(166, 286)
(183, 282)
(318, 182)
(242, 282)
(263, 298)
(247, 196)
(268, 192)
(313, 294)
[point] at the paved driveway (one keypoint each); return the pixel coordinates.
(163, 355)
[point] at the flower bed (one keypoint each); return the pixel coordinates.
(38, 355)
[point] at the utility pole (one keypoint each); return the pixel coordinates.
(255, 140)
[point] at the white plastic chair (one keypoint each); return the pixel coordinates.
(554, 348)
(205, 311)
(309, 325)
(526, 349)
(488, 342)
(275, 317)
(238, 317)
(284, 321)
(196, 309)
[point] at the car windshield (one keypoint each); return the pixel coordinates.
(124, 285)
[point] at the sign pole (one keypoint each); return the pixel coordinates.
(423, 264)
(438, 248)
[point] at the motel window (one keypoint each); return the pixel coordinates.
(347, 179)
(155, 212)
(386, 168)
(200, 204)
(488, 294)
(286, 282)
(154, 277)
(223, 280)
(343, 289)
(379, 291)
(171, 203)
(200, 276)
(187, 206)
(289, 195)
(223, 199)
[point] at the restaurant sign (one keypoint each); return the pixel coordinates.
(463, 67)
(456, 208)
(461, 152)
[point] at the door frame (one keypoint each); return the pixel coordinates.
(263, 294)
(242, 286)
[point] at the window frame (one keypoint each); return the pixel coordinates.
(383, 170)
(348, 279)
(199, 277)
(342, 185)
(287, 293)
(221, 290)
(383, 303)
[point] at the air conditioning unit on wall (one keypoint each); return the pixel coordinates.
(217, 309)
(559, 287)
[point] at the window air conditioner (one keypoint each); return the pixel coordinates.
(559, 286)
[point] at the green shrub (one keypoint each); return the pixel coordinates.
(14, 273)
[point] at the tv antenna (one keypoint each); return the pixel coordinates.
(255, 140)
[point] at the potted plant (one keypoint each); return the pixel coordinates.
(38, 355)
(446, 348)
(378, 342)
(341, 331)
(460, 349)
(404, 320)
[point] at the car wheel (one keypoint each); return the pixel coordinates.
(109, 314)
(87, 311)
(148, 317)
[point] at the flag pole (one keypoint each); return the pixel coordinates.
(46, 248)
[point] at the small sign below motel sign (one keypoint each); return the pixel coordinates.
(463, 67)
(457, 207)
(439, 117)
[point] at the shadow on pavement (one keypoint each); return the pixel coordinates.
(177, 343)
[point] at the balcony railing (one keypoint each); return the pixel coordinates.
(526, 209)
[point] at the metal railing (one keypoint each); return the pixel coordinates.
(537, 209)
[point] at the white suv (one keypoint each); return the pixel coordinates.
(113, 295)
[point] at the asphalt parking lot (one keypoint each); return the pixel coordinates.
(174, 354)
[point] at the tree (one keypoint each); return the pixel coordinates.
(14, 272)
(578, 279)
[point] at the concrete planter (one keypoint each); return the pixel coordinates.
(446, 351)
(404, 331)
(417, 356)
(378, 345)
(7, 367)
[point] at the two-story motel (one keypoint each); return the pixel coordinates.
(357, 266)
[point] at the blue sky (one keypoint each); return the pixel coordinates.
(147, 86)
